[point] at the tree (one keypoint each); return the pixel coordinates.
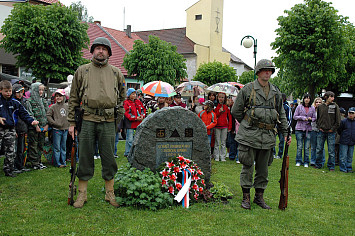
(310, 47)
(82, 12)
(156, 60)
(47, 39)
(215, 72)
(246, 77)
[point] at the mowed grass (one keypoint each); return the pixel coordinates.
(319, 203)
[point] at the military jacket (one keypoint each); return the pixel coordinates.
(101, 81)
(267, 110)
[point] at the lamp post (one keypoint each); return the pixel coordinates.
(247, 42)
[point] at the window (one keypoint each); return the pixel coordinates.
(198, 17)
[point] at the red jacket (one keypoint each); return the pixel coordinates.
(133, 109)
(209, 118)
(224, 118)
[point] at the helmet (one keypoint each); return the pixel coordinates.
(264, 64)
(101, 41)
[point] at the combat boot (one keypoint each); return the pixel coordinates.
(82, 198)
(246, 199)
(110, 195)
(259, 199)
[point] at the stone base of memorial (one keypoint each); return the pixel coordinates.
(167, 133)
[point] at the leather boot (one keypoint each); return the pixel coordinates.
(246, 201)
(259, 200)
(110, 195)
(82, 198)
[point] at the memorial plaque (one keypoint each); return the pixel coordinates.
(166, 150)
(170, 132)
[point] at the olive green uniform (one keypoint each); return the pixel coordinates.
(97, 87)
(258, 112)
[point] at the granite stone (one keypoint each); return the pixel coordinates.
(170, 132)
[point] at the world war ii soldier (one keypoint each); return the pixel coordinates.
(98, 88)
(258, 108)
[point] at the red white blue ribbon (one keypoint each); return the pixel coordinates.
(183, 194)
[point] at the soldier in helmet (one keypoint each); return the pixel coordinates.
(98, 88)
(258, 108)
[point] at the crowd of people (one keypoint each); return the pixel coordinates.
(241, 128)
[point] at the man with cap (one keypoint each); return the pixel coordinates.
(258, 108)
(177, 101)
(98, 88)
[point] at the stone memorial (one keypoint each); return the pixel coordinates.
(167, 133)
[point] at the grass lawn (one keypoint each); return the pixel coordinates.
(319, 203)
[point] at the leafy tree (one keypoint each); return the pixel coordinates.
(215, 72)
(156, 60)
(82, 12)
(310, 47)
(246, 77)
(47, 39)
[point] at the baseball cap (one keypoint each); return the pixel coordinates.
(351, 110)
(19, 89)
(60, 91)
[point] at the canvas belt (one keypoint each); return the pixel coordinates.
(259, 125)
(108, 113)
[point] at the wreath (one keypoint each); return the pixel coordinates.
(172, 176)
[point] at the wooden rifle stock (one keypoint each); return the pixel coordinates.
(72, 171)
(284, 175)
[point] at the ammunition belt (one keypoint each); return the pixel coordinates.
(258, 124)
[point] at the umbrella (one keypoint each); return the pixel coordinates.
(224, 88)
(239, 85)
(158, 89)
(191, 88)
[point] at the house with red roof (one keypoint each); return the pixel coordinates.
(7, 60)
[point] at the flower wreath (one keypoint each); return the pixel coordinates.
(172, 176)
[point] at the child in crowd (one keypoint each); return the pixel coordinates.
(208, 117)
(232, 145)
(10, 110)
(162, 103)
(212, 97)
(193, 103)
(347, 142)
(57, 119)
(314, 134)
(169, 101)
(37, 108)
(224, 125)
(177, 101)
(21, 130)
(133, 116)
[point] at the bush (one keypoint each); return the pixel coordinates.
(140, 189)
(220, 191)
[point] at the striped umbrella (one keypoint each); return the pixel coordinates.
(158, 89)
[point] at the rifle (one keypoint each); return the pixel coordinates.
(284, 175)
(72, 171)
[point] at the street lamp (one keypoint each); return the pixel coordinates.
(247, 42)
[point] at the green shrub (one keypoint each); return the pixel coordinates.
(220, 191)
(140, 189)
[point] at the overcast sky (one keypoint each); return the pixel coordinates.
(257, 18)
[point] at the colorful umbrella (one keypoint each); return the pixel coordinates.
(158, 89)
(239, 85)
(191, 88)
(224, 88)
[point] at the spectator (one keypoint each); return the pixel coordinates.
(231, 144)
(212, 97)
(337, 136)
(193, 103)
(288, 113)
(10, 110)
(208, 117)
(224, 125)
(304, 114)
(293, 121)
(347, 142)
(162, 103)
(314, 135)
(169, 101)
(21, 131)
(133, 116)
(328, 121)
(57, 116)
(177, 101)
(37, 107)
